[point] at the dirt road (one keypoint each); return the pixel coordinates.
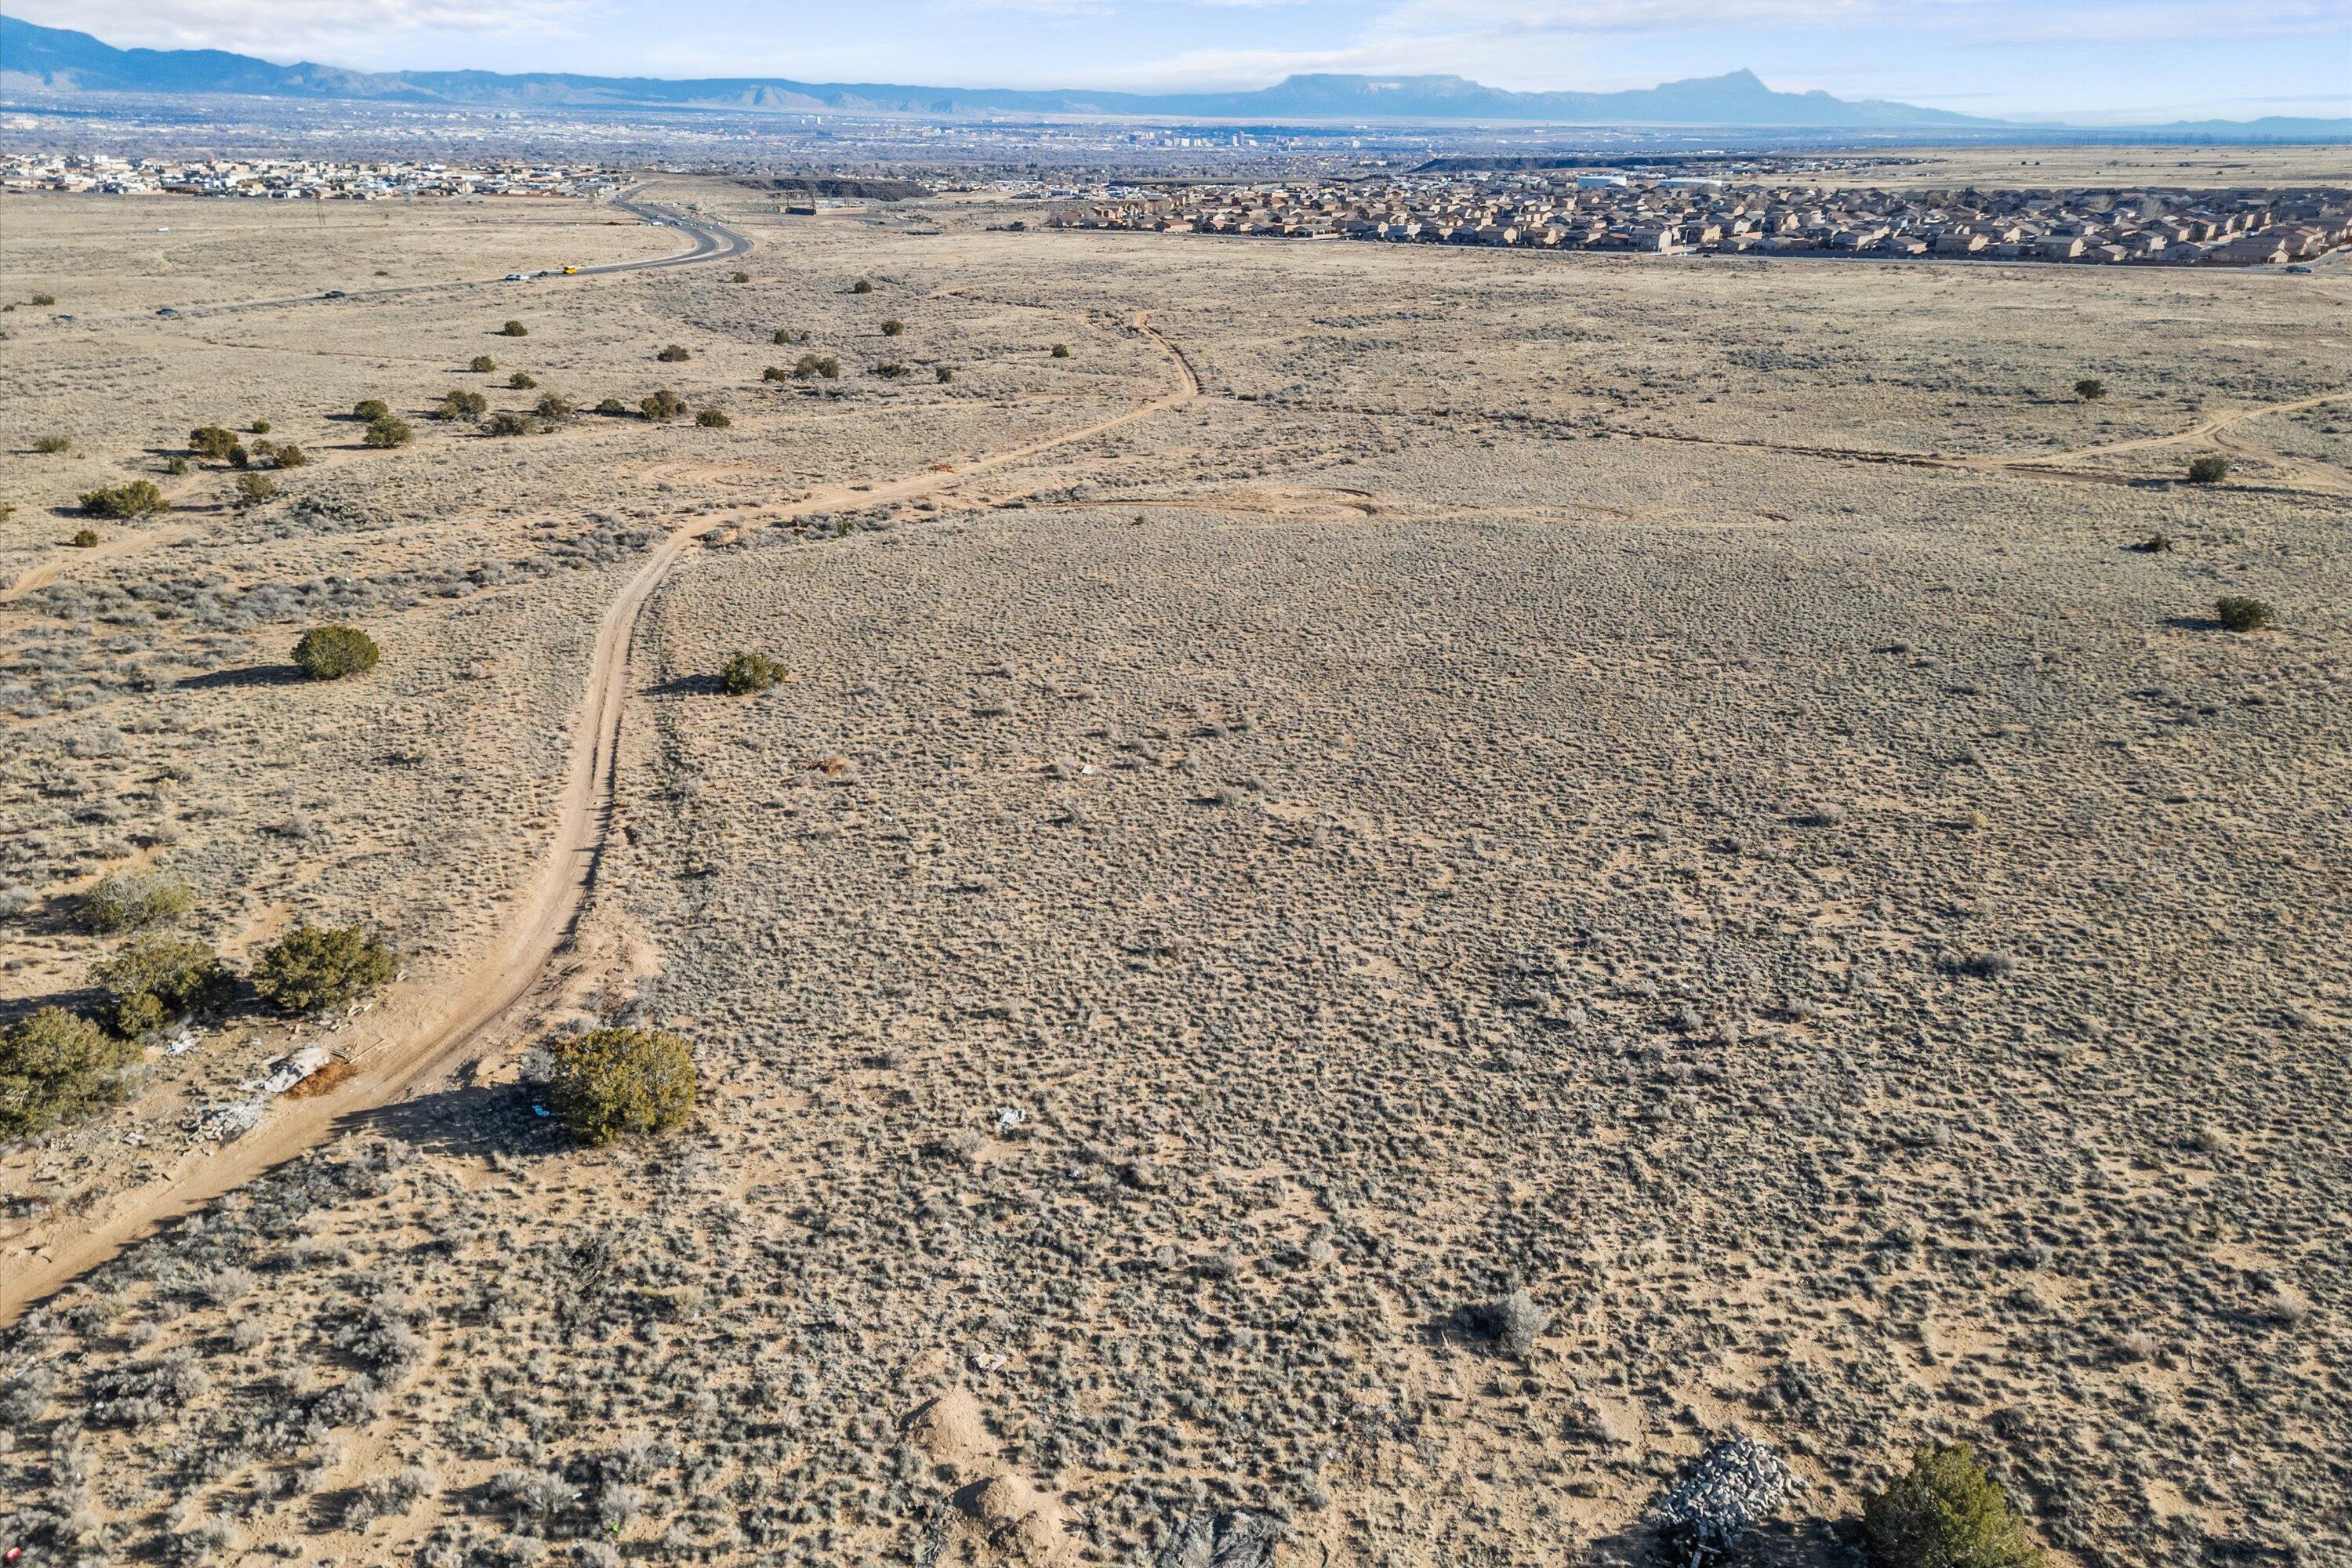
(424, 1035)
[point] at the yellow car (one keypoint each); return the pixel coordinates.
(570, 270)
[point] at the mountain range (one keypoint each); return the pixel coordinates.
(59, 60)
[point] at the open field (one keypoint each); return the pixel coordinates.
(1378, 777)
(2195, 168)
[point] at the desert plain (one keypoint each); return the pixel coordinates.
(1319, 786)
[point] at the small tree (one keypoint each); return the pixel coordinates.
(553, 407)
(2090, 389)
(748, 672)
(85, 538)
(135, 900)
(2208, 470)
(482, 364)
(712, 419)
(863, 286)
(1946, 1512)
(507, 422)
(332, 653)
(609, 1084)
(176, 467)
(367, 410)
(514, 330)
(138, 498)
(1061, 350)
(461, 404)
(520, 382)
(55, 1065)
(893, 327)
(211, 441)
(260, 426)
(290, 456)
(388, 432)
(2238, 613)
(155, 979)
(255, 489)
(312, 967)
(48, 445)
(663, 404)
(676, 354)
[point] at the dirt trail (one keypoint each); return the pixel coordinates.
(418, 1036)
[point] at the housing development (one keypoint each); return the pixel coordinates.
(1676, 213)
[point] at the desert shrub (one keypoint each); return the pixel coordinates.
(461, 404)
(389, 431)
(749, 672)
(1061, 350)
(482, 364)
(85, 538)
(824, 365)
(42, 300)
(1946, 1512)
(674, 355)
(788, 335)
(775, 372)
(156, 978)
(1513, 1321)
(663, 404)
(514, 330)
(552, 405)
(609, 1084)
(290, 456)
(863, 286)
(368, 409)
(942, 374)
(2090, 389)
(522, 382)
(135, 900)
(55, 1065)
(49, 444)
(330, 653)
(255, 489)
(890, 369)
(312, 967)
(2239, 614)
(2208, 470)
(610, 405)
(742, 276)
(2156, 543)
(211, 441)
(713, 419)
(176, 467)
(239, 457)
(260, 426)
(137, 498)
(507, 422)
(893, 327)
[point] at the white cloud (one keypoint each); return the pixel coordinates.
(342, 32)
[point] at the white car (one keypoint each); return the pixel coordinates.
(514, 277)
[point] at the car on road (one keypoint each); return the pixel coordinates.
(570, 270)
(165, 310)
(335, 294)
(514, 277)
(2298, 267)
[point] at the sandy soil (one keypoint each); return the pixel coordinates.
(1379, 778)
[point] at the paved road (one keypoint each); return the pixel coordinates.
(712, 242)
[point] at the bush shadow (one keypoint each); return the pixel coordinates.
(685, 686)
(1777, 1543)
(475, 1119)
(245, 675)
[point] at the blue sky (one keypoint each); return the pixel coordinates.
(2085, 59)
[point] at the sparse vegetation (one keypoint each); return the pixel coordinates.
(741, 277)
(315, 967)
(662, 405)
(2239, 614)
(775, 372)
(1061, 350)
(50, 444)
(388, 432)
(893, 327)
(42, 300)
(85, 538)
(554, 408)
(712, 419)
(615, 1083)
(461, 404)
(522, 382)
(135, 900)
(2208, 470)
(943, 374)
(483, 365)
(822, 366)
(133, 498)
(255, 489)
(55, 1067)
(335, 653)
(156, 978)
(1946, 1512)
(787, 335)
(2157, 544)
(507, 422)
(890, 369)
(675, 353)
(514, 330)
(368, 409)
(2090, 389)
(863, 286)
(749, 672)
(288, 456)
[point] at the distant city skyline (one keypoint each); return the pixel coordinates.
(2079, 59)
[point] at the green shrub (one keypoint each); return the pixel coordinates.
(863, 286)
(522, 382)
(135, 900)
(2090, 389)
(389, 431)
(260, 426)
(893, 327)
(51, 444)
(1061, 350)
(676, 354)
(155, 979)
(609, 1084)
(890, 369)
(461, 404)
(2157, 544)
(507, 422)
(211, 441)
(239, 457)
(483, 365)
(775, 372)
(742, 276)
(612, 406)
(255, 489)
(787, 335)
(943, 374)
(370, 409)
(2208, 470)
(176, 467)
(332, 653)
(85, 538)
(713, 419)
(824, 365)
(42, 300)
(55, 1065)
(663, 404)
(514, 330)
(312, 967)
(1946, 1512)
(289, 455)
(749, 672)
(552, 406)
(2238, 613)
(138, 498)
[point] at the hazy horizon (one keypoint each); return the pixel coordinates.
(2189, 60)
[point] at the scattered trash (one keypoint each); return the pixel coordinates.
(1724, 1493)
(1008, 1117)
(1235, 1540)
(988, 1362)
(1088, 769)
(225, 1124)
(539, 1110)
(179, 1043)
(285, 1073)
